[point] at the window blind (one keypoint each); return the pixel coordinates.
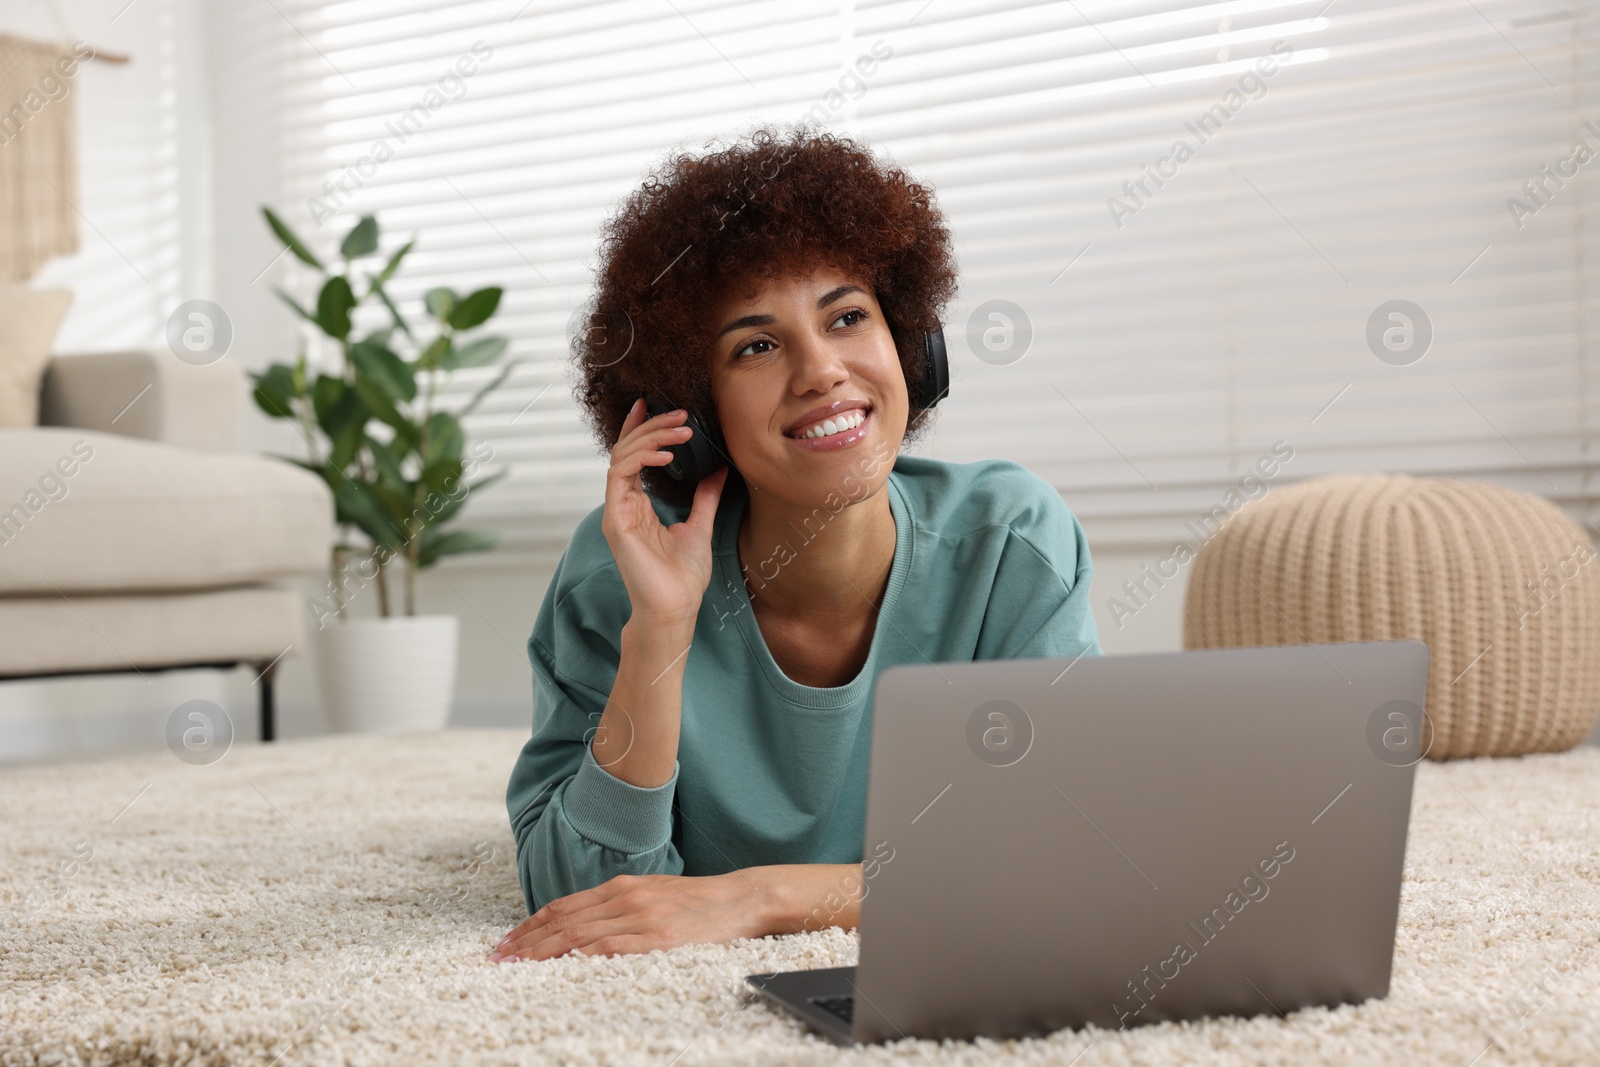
(1193, 238)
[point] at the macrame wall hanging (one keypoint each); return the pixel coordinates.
(39, 149)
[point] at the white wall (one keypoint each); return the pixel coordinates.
(144, 168)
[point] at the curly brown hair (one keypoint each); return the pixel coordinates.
(764, 207)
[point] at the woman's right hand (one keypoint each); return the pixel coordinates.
(666, 569)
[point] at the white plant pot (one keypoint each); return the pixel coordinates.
(387, 675)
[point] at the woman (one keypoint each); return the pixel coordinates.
(704, 657)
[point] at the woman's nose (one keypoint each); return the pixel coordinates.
(815, 365)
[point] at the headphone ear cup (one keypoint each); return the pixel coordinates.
(700, 455)
(935, 382)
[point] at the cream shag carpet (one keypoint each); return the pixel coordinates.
(332, 901)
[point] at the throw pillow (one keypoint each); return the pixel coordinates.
(29, 319)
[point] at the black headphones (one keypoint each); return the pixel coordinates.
(705, 451)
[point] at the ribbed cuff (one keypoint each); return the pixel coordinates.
(617, 814)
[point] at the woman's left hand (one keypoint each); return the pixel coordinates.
(639, 913)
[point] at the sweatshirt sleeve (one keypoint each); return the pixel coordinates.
(575, 824)
(1039, 603)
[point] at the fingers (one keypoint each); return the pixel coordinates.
(616, 936)
(706, 495)
(565, 932)
(644, 442)
(568, 908)
(575, 921)
(670, 422)
(634, 417)
(624, 468)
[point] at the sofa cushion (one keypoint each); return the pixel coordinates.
(149, 394)
(97, 513)
(141, 631)
(29, 319)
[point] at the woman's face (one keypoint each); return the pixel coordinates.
(799, 350)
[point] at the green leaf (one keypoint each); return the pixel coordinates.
(431, 357)
(362, 240)
(437, 543)
(476, 353)
(439, 302)
(319, 468)
(379, 404)
(326, 392)
(475, 309)
(380, 337)
(440, 474)
(287, 236)
(337, 406)
(477, 398)
(387, 462)
(346, 442)
(302, 312)
(355, 503)
(333, 308)
(454, 503)
(394, 312)
(393, 265)
(274, 392)
(445, 439)
(396, 503)
(390, 372)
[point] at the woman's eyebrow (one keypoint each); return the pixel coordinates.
(748, 320)
(767, 320)
(833, 294)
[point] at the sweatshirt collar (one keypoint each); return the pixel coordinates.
(734, 597)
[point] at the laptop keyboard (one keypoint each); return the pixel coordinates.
(842, 1006)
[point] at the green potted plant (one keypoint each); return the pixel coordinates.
(393, 458)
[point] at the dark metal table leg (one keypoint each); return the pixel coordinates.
(268, 731)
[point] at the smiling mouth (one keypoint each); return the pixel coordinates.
(832, 426)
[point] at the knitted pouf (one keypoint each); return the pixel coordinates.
(1501, 585)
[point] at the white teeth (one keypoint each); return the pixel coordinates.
(828, 427)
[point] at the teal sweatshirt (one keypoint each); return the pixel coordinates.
(988, 564)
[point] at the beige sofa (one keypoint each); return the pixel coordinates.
(137, 535)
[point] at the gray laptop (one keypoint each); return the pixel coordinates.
(1122, 840)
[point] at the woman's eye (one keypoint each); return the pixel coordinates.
(855, 315)
(746, 350)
